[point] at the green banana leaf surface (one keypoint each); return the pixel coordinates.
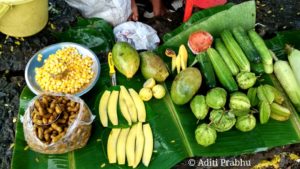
(173, 128)
(95, 33)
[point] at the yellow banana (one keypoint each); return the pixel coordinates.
(148, 146)
(112, 145)
(121, 156)
(139, 104)
(130, 104)
(172, 54)
(103, 108)
(130, 145)
(173, 63)
(178, 62)
(139, 144)
(112, 107)
(124, 108)
(183, 56)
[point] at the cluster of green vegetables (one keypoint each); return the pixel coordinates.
(239, 51)
(236, 60)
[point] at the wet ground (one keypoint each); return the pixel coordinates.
(276, 15)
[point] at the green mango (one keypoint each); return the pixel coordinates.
(153, 66)
(185, 85)
(199, 107)
(126, 59)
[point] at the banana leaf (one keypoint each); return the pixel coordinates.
(196, 18)
(95, 33)
(173, 127)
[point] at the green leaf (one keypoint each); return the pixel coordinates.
(94, 33)
(277, 44)
(195, 19)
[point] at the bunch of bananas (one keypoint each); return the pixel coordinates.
(127, 102)
(179, 62)
(134, 144)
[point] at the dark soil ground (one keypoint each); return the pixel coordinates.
(276, 15)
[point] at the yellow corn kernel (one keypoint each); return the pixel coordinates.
(78, 74)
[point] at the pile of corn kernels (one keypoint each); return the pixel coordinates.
(66, 71)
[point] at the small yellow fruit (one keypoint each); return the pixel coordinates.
(158, 91)
(145, 94)
(150, 83)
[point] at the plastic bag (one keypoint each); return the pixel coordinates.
(113, 11)
(74, 133)
(139, 35)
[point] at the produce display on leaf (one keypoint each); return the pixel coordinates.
(236, 51)
(237, 89)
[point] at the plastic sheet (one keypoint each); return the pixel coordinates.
(139, 35)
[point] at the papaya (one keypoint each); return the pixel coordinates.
(185, 85)
(126, 59)
(153, 66)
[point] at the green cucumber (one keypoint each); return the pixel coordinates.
(261, 47)
(245, 43)
(222, 71)
(226, 56)
(207, 70)
(235, 51)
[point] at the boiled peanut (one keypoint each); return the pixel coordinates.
(56, 127)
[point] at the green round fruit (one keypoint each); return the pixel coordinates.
(216, 98)
(246, 80)
(158, 91)
(246, 123)
(149, 83)
(205, 135)
(199, 107)
(222, 121)
(239, 101)
(145, 94)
